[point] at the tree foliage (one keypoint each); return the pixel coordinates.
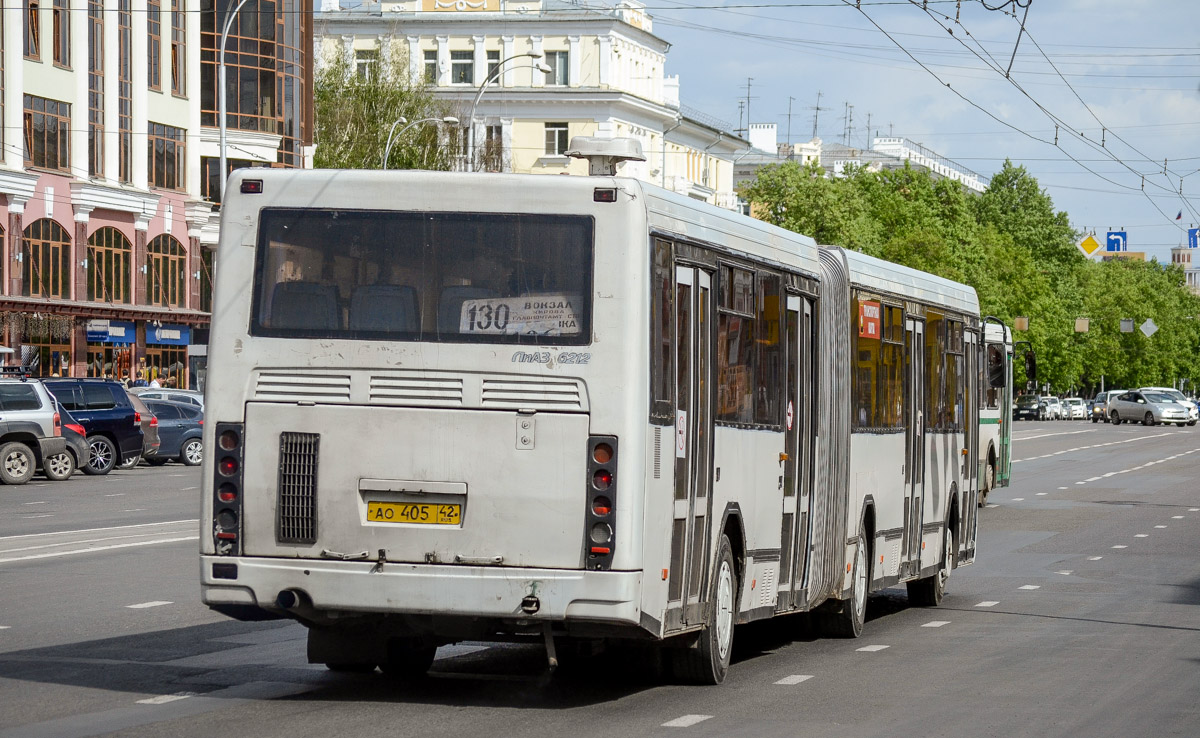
(1016, 251)
(356, 112)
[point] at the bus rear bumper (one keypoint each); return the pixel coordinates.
(335, 588)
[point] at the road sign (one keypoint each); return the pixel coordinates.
(1148, 328)
(1117, 241)
(1193, 238)
(1089, 245)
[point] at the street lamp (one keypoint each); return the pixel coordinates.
(540, 66)
(448, 120)
(221, 90)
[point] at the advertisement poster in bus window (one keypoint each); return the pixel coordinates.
(868, 319)
(533, 315)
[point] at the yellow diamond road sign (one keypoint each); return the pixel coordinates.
(1089, 245)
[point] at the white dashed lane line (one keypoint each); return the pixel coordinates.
(1160, 526)
(935, 623)
(988, 603)
(871, 649)
(1120, 546)
(144, 605)
(39, 502)
(1030, 586)
(686, 721)
(165, 698)
(1084, 448)
(794, 679)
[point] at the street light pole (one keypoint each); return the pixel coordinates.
(221, 91)
(448, 120)
(543, 68)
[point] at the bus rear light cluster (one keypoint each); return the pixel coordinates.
(602, 495)
(227, 490)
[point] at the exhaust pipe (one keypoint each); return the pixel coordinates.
(289, 599)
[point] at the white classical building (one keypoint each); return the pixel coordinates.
(606, 77)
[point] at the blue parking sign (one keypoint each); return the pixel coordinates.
(1117, 241)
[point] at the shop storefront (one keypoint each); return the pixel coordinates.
(166, 354)
(110, 348)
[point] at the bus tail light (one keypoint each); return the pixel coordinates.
(227, 490)
(600, 538)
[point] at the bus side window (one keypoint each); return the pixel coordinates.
(384, 307)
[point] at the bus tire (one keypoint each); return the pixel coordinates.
(846, 620)
(928, 592)
(989, 479)
(707, 662)
(408, 658)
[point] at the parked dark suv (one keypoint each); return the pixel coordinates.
(114, 431)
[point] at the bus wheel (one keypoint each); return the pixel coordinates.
(707, 662)
(928, 592)
(989, 479)
(846, 620)
(408, 658)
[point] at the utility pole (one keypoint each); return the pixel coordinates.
(816, 113)
(868, 146)
(788, 139)
(748, 81)
(741, 112)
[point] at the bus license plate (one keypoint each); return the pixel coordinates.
(419, 513)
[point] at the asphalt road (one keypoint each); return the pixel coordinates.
(1078, 619)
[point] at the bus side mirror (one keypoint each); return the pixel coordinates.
(995, 364)
(1031, 365)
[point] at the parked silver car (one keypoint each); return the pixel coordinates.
(1147, 407)
(1179, 397)
(30, 428)
(1075, 409)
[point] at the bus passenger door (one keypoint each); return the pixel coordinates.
(914, 463)
(693, 445)
(969, 510)
(794, 533)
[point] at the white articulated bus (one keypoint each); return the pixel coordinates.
(450, 406)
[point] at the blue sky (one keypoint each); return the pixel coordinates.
(1120, 78)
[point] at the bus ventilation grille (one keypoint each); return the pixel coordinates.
(536, 394)
(296, 520)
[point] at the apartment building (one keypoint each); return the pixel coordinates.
(526, 76)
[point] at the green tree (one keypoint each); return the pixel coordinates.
(356, 111)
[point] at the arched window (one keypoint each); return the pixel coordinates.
(45, 260)
(166, 272)
(110, 256)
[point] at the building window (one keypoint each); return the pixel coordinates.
(166, 156)
(493, 149)
(33, 31)
(366, 63)
(556, 139)
(431, 71)
(493, 62)
(178, 48)
(45, 260)
(166, 272)
(109, 266)
(95, 88)
(124, 91)
(154, 44)
(62, 33)
(47, 133)
(557, 61)
(462, 67)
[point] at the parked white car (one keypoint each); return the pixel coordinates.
(1075, 408)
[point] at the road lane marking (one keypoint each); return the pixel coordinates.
(1095, 558)
(33, 517)
(1065, 572)
(39, 502)
(116, 494)
(1042, 494)
(1030, 586)
(686, 721)
(1160, 526)
(5, 627)
(1194, 509)
(794, 679)
(96, 549)
(1018, 499)
(1176, 517)
(165, 698)
(1092, 479)
(1051, 435)
(935, 623)
(100, 530)
(1142, 535)
(988, 603)
(144, 605)
(871, 649)
(1120, 546)
(1062, 488)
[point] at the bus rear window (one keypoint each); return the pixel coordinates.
(405, 276)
